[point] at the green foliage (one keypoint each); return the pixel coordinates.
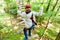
(40, 31)
(11, 7)
(51, 34)
(13, 11)
(36, 6)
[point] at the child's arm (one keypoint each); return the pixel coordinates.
(19, 12)
(40, 12)
(21, 22)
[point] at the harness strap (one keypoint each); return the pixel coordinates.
(33, 20)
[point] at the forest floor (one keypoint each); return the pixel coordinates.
(13, 31)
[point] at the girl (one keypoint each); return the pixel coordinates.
(29, 18)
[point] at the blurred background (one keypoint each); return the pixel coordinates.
(48, 27)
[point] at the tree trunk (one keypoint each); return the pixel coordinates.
(58, 36)
(48, 5)
(46, 26)
(55, 5)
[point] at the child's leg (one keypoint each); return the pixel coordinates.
(29, 32)
(32, 27)
(25, 33)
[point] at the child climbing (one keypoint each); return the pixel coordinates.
(29, 19)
